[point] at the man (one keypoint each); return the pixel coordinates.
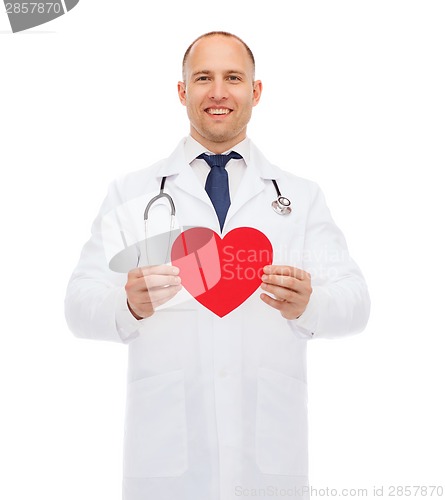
(216, 402)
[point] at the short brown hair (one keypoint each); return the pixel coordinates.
(213, 33)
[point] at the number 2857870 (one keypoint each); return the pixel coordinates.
(33, 8)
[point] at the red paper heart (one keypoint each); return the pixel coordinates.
(221, 273)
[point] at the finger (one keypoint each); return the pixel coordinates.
(145, 298)
(138, 286)
(163, 269)
(146, 304)
(280, 292)
(276, 304)
(293, 272)
(162, 293)
(141, 278)
(134, 273)
(284, 281)
(157, 280)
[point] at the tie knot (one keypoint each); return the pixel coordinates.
(220, 160)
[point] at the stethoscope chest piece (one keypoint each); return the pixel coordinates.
(282, 205)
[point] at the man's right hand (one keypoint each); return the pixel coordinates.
(149, 287)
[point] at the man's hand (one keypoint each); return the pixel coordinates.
(291, 288)
(149, 287)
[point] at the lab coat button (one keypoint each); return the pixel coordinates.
(223, 373)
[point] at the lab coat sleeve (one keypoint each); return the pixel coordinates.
(96, 302)
(339, 304)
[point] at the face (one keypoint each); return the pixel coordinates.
(219, 92)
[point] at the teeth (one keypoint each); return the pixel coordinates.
(218, 111)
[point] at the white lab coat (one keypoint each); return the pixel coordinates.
(216, 407)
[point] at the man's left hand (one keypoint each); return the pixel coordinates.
(291, 288)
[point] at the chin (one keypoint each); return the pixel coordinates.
(222, 135)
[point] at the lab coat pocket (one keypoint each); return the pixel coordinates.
(281, 424)
(155, 432)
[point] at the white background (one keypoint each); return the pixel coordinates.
(354, 91)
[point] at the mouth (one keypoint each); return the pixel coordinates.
(218, 112)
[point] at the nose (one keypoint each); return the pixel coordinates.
(218, 90)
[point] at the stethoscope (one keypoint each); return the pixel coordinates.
(281, 206)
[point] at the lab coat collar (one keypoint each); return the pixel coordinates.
(258, 173)
(177, 163)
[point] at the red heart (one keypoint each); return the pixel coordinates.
(221, 273)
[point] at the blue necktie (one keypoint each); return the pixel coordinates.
(217, 183)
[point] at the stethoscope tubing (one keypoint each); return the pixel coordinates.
(281, 205)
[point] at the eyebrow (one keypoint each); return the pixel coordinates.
(202, 72)
(208, 72)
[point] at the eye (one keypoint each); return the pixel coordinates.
(202, 78)
(234, 78)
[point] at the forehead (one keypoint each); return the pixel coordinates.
(218, 52)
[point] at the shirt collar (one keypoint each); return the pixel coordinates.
(192, 149)
(176, 162)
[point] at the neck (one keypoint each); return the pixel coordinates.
(217, 147)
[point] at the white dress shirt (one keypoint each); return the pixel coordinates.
(235, 168)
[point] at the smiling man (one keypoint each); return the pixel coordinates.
(219, 90)
(216, 404)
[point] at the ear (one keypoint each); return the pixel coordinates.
(257, 90)
(182, 93)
